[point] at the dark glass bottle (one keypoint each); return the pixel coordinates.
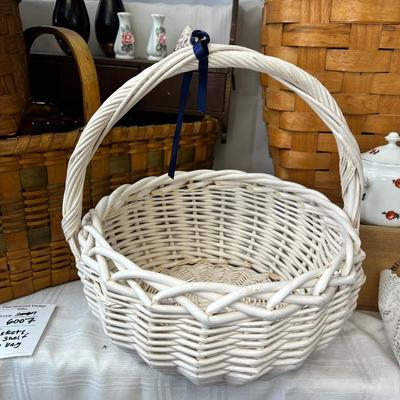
(72, 14)
(107, 24)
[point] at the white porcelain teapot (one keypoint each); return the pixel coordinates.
(380, 203)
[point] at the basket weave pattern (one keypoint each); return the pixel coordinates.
(353, 48)
(14, 89)
(33, 251)
(219, 275)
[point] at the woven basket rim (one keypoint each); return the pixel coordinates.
(54, 141)
(146, 185)
(93, 225)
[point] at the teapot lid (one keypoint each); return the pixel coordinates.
(386, 154)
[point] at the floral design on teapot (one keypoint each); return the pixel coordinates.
(396, 182)
(390, 215)
(374, 151)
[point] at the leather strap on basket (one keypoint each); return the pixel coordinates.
(199, 40)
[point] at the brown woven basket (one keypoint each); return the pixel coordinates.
(14, 91)
(33, 253)
(353, 48)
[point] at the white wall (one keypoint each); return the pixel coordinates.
(246, 148)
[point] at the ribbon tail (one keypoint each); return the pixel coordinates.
(187, 77)
(202, 90)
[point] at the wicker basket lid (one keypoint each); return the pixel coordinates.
(386, 154)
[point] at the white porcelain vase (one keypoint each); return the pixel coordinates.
(124, 46)
(380, 203)
(157, 45)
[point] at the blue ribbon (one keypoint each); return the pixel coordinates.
(199, 41)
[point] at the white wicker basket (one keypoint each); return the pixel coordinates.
(220, 275)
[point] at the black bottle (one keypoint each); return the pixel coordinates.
(107, 24)
(72, 14)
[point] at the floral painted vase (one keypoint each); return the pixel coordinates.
(124, 46)
(157, 45)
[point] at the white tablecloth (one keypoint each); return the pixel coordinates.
(74, 360)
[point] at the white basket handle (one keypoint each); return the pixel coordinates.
(221, 56)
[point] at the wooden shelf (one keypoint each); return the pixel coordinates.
(54, 78)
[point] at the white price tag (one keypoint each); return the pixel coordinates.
(21, 328)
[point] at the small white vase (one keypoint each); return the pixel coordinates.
(124, 46)
(157, 45)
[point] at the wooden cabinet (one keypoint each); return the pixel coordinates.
(54, 78)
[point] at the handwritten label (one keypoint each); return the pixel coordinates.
(21, 328)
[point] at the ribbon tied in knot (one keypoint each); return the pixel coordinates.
(199, 40)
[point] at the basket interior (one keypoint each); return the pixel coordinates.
(236, 233)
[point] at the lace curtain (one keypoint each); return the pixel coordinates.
(389, 306)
